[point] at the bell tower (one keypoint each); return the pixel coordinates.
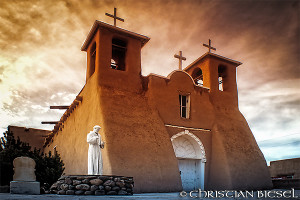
(114, 56)
(218, 74)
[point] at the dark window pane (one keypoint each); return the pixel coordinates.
(183, 112)
(183, 100)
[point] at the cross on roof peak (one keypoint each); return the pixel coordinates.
(115, 17)
(180, 58)
(209, 46)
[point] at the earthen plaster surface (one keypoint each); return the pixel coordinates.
(133, 112)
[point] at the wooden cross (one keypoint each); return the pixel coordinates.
(209, 46)
(115, 17)
(180, 58)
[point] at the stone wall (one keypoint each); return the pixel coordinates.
(93, 185)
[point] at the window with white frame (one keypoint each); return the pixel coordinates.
(184, 101)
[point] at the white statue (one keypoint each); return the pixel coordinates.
(95, 165)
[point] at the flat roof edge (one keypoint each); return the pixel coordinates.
(215, 55)
(144, 39)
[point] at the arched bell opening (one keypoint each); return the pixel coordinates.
(197, 76)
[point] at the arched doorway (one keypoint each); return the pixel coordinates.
(190, 153)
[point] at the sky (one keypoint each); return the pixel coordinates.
(41, 63)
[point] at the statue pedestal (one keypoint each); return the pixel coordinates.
(24, 187)
(93, 185)
(24, 180)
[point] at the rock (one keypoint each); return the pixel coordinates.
(58, 186)
(86, 181)
(68, 181)
(112, 193)
(76, 182)
(54, 186)
(101, 187)
(79, 192)
(53, 191)
(83, 187)
(88, 193)
(117, 179)
(71, 187)
(109, 183)
(64, 187)
(61, 178)
(99, 192)
(61, 182)
(96, 181)
(123, 188)
(122, 192)
(116, 188)
(120, 184)
(78, 187)
(107, 188)
(62, 192)
(103, 178)
(94, 187)
(129, 190)
(70, 192)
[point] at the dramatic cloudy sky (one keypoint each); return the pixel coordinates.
(41, 63)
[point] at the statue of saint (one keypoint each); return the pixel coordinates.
(95, 165)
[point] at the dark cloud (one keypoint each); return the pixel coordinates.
(41, 63)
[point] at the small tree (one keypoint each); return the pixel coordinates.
(48, 167)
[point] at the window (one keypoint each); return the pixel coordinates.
(92, 59)
(118, 54)
(221, 76)
(184, 102)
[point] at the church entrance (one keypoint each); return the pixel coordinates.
(188, 173)
(191, 160)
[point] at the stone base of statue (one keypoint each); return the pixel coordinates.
(93, 185)
(24, 187)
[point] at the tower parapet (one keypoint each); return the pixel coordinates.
(217, 73)
(114, 56)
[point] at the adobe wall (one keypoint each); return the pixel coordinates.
(163, 94)
(137, 142)
(209, 67)
(234, 160)
(124, 80)
(34, 137)
(136, 139)
(286, 167)
(237, 162)
(71, 142)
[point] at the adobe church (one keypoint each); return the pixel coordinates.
(180, 132)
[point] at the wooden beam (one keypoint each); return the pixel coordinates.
(79, 98)
(49, 122)
(59, 107)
